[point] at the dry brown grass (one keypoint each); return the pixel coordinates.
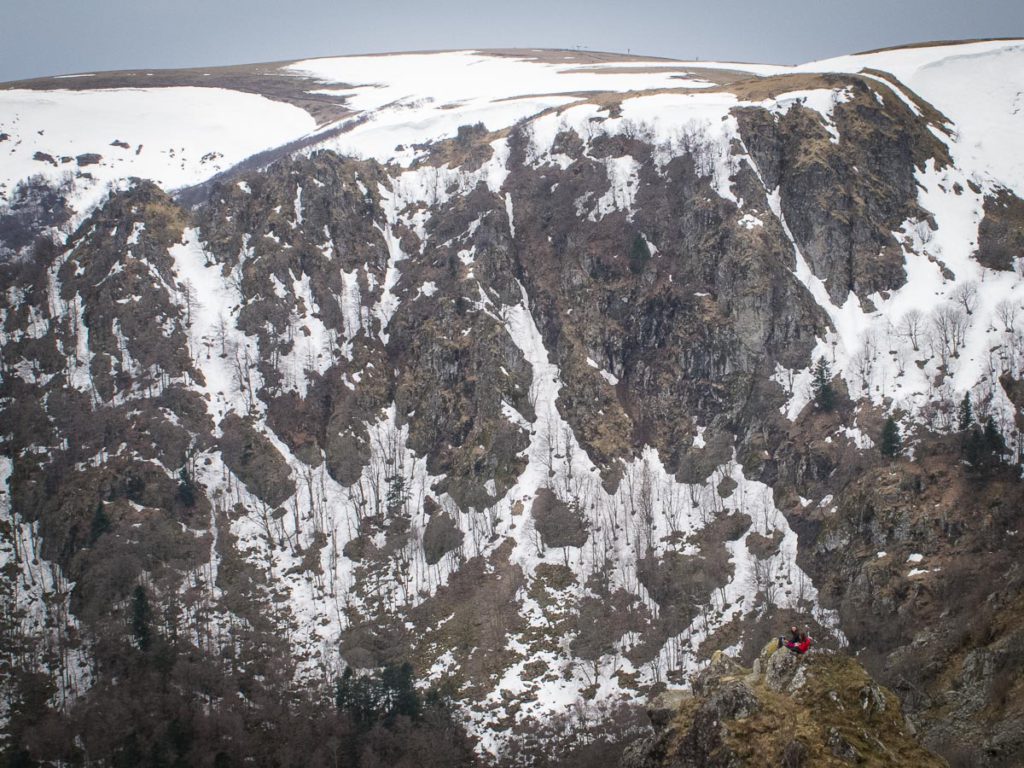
(709, 74)
(568, 56)
(746, 88)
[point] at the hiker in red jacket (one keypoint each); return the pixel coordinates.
(797, 642)
(804, 645)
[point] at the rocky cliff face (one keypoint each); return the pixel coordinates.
(531, 407)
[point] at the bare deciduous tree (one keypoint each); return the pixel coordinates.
(911, 327)
(966, 295)
(950, 324)
(1006, 311)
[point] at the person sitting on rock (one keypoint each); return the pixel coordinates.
(803, 645)
(792, 641)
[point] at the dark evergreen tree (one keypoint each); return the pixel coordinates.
(186, 488)
(891, 441)
(400, 695)
(397, 493)
(639, 254)
(100, 523)
(821, 385)
(965, 414)
(994, 442)
(983, 447)
(142, 616)
(354, 696)
(972, 448)
(372, 699)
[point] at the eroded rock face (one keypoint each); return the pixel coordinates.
(947, 618)
(1001, 231)
(843, 193)
(254, 459)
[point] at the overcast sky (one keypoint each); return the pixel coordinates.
(48, 37)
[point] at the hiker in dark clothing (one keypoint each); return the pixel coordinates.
(792, 641)
(797, 642)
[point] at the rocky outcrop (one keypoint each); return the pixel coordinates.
(255, 460)
(1001, 231)
(844, 192)
(821, 709)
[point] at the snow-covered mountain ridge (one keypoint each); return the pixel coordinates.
(189, 133)
(501, 363)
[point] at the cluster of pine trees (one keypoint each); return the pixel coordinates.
(160, 701)
(982, 446)
(891, 442)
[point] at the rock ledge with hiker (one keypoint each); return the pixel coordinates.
(791, 709)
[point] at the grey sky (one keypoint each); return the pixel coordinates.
(47, 37)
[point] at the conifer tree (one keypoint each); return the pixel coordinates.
(399, 692)
(891, 441)
(639, 254)
(821, 385)
(994, 441)
(100, 523)
(397, 493)
(973, 446)
(186, 488)
(965, 414)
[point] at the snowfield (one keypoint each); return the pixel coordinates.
(174, 136)
(179, 136)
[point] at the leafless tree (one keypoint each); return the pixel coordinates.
(671, 504)
(863, 365)
(763, 578)
(911, 327)
(642, 491)
(900, 358)
(1007, 311)
(966, 295)
(220, 334)
(950, 324)
(189, 298)
(243, 364)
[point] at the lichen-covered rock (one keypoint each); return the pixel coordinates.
(780, 669)
(836, 716)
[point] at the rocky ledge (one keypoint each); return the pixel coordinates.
(822, 709)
